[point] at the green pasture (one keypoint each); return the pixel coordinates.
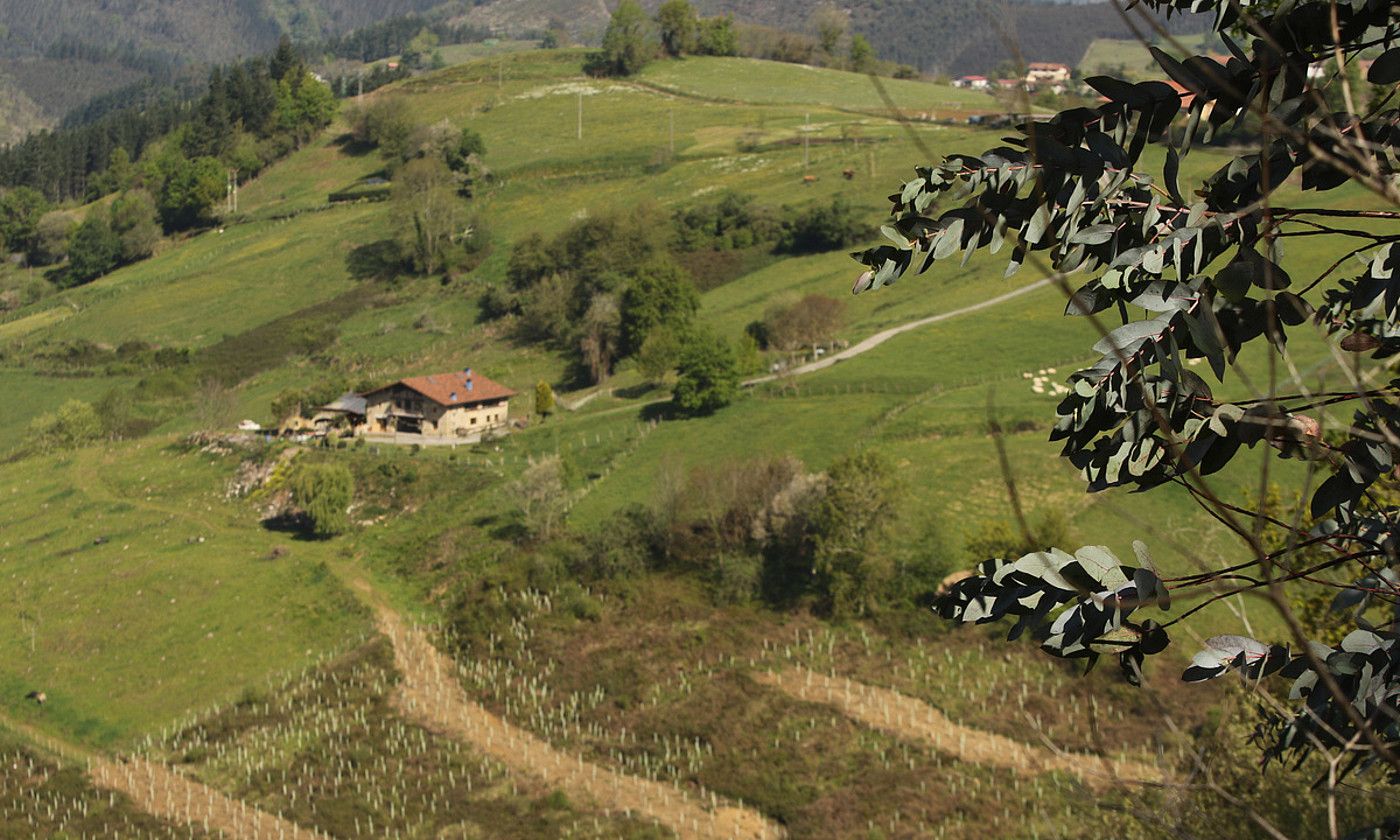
(771, 83)
(221, 282)
(137, 593)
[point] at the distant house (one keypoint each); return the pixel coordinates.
(973, 82)
(1011, 84)
(462, 404)
(1046, 73)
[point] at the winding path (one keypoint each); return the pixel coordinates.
(915, 720)
(885, 335)
(431, 696)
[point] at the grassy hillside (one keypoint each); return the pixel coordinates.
(164, 616)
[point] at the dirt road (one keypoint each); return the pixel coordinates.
(885, 335)
(431, 696)
(915, 720)
(162, 792)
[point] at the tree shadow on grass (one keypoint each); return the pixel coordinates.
(353, 147)
(663, 411)
(381, 261)
(297, 525)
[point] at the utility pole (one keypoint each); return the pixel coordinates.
(231, 191)
(806, 144)
(362, 83)
(580, 115)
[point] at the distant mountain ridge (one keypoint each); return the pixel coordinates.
(57, 54)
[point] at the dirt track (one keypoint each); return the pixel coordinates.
(431, 696)
(914, 720)
(160, 791)
(885, 335)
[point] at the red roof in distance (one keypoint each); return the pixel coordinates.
(462, 387)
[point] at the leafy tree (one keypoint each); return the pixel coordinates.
(20, 211)
(707, 376)
(285, 62)
(136, 223)
(828, 227)
(661, 296)
(72, 425)
(829, 23)
(544, 399)
(304, 106)
(541, 496)
(469, 144)
(678, 25)
(323, 493)
(191, 192)
(95, 249)
(847, 527)
(659, 354)
(810, 322)
(717, 36)
(51, 237)
(862, 54)
(600, 336)
(387, 124)
(428, 211)
(627, 43)
(1077, 193)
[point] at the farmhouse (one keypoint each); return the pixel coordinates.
(461, 404)
(1046, 73)
(973, 82)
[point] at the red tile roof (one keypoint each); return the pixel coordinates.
(462, 387)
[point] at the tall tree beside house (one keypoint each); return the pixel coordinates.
(544, 399)
(429, 212)
(628, 43)
(678, 25)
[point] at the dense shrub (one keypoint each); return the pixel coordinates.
(323, 493)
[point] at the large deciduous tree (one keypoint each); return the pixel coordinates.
(428, 210)
(628, 43)
(1173, 273)
(678, 26)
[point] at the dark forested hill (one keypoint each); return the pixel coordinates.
(55, 55)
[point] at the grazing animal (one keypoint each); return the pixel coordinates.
(38, 697)
(849, 174)
(809, 179)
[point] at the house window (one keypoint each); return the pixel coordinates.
(473, 421)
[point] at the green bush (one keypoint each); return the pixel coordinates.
(72, 425)
(733, 578)
(323, 492)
